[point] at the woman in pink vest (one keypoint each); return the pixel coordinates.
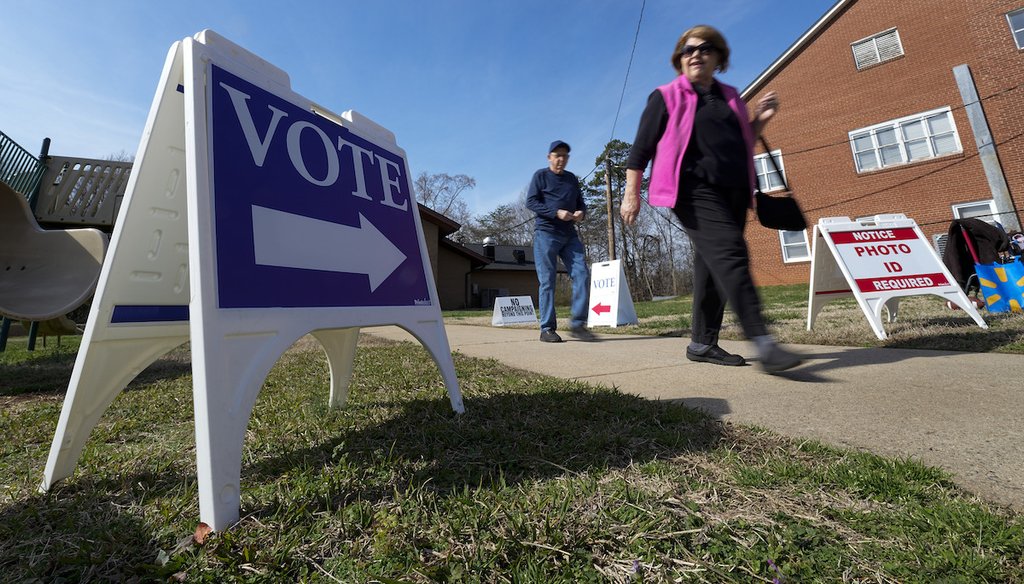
(701, 139)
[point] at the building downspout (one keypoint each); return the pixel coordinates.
(1006, 214)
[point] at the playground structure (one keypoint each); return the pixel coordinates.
(46, 274)
(55, 213)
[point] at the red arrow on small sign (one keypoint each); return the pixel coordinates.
(599, 308)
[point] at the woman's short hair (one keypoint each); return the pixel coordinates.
(709, 34)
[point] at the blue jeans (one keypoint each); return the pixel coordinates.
(547, 248)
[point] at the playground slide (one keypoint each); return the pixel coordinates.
(44, 274)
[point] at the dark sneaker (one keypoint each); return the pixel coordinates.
(550, 337)
(716, 355)
(779, 359)
(582, 333)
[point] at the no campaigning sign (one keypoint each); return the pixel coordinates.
(888, 259)
(307, 213)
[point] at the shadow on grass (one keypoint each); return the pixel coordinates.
(564, 429)
(966, 338)
(109, 528)
(50, 372)
(85, 530)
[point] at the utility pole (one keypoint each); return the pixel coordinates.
(608, 204)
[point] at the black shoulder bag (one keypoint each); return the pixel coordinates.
(780, 212)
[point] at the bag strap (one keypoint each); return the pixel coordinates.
(775, 165)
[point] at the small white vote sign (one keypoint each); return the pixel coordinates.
(513, 310)
(610, 301)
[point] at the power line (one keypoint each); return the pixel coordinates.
(629, 66)
(846, 141)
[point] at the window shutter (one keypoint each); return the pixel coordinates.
(864, 54)
(877, 49)
(889, 46)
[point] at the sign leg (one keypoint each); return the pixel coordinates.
(227, 380)
(102, 370)
(340, 346)
(432, 336)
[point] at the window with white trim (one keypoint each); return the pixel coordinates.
(905, 140)
(1016, 22)
(794, 246)
(877, 48)
(984, 210)
(767, 178)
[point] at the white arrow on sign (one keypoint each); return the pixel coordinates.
(287, 240)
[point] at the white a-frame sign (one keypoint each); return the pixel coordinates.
(611, 304)
(877, 261)
(252, 218)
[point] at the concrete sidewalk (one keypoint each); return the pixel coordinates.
(963, 412)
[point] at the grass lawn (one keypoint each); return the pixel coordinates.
(923, 322)
(542, 480)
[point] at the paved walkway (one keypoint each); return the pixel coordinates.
(963, 412)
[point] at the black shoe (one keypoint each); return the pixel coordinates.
(550, 337)
(716, 355)
(779, 359)
(582, 333)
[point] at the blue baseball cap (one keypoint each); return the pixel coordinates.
(558, 144)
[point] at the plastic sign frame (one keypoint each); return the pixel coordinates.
(513, 310)
(877, 261)
(232, 237)
(611, 303)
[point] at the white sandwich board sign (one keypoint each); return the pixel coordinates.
(253, 217)
(610, 301)
(513, 310)
(877, 261)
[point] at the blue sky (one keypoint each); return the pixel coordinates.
(468, 87)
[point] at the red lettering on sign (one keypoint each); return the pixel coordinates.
(902, 282)
(840, 237)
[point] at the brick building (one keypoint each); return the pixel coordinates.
(877, 118)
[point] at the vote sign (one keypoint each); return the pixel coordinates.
(610, 301)
(307, 213)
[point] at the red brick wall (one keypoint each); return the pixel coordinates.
(824, 97)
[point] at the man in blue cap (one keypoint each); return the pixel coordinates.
(555, 196)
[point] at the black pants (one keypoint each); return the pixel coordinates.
(714, 218)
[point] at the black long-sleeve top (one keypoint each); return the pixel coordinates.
(716, 153)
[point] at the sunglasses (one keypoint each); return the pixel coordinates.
(704, 48)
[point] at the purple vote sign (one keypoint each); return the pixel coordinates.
(307, 213)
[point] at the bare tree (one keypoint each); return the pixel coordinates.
(443, 193)
(508, 224)
(122, 156)
(654, 251)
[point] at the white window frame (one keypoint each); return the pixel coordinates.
(897, 127)
(871, 43)
(990, 217)
(763, 169)
(786, 246)
(1018, 34)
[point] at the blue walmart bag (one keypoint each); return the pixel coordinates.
(1002, 285)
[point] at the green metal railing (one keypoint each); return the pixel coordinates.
(20, 169)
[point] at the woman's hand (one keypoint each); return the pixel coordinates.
(630, 207)
(766, 107)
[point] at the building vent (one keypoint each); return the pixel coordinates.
(878, 48)
(939, 241)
